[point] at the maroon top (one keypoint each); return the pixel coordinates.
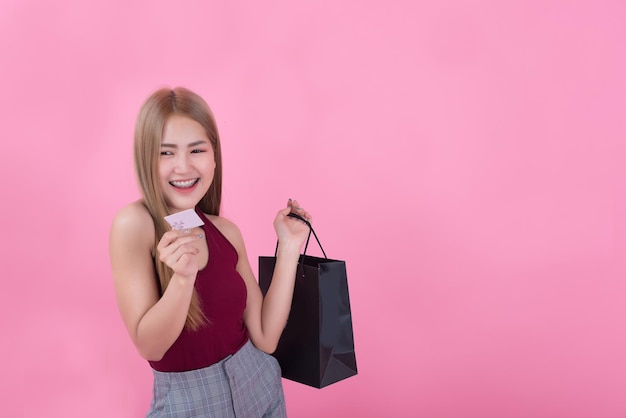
(222, 293)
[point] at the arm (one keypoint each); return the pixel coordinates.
(266, 317)
(153, 323)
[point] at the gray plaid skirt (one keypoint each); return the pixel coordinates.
(244, 385)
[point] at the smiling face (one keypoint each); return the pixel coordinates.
(186, 163)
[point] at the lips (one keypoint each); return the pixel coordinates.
(184, 184)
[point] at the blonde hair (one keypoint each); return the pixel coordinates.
(151, 121)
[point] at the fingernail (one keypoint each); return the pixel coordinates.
(186, 231)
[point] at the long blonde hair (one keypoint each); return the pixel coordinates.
(148, 135)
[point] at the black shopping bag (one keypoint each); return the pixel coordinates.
(317, 345)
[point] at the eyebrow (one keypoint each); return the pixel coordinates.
(193, 144)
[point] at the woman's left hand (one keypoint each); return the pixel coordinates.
(291, 230)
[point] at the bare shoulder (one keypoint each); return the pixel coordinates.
(133, 223)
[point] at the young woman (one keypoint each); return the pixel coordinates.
(189, 299)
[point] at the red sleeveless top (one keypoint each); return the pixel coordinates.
(222, 293)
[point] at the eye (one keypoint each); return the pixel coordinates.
(196, 151)
(167, 153)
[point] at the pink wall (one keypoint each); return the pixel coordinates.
(464, 158)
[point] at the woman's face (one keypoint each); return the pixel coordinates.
(186, 164)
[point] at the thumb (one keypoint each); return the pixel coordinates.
(285, 211)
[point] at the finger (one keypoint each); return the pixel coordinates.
(175, 256)
(190, 238)
(167, 239)
(306, 215)
(185, 258)
(171, 236)
(296, 217)
(300, 211)
(285, 211)
(171, 241)
(298, 208)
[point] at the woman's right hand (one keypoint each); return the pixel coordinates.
(178, 250)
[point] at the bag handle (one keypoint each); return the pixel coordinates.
(296, 216)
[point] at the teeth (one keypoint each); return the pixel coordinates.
(183, 184)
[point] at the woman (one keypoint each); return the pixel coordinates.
(189, 299)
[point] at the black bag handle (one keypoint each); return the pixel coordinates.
(296, 216)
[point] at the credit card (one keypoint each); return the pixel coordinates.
(186, 219)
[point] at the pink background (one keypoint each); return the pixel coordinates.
(464, 158)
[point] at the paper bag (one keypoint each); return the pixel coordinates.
(317, 345)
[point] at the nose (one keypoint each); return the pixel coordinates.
(182, 163)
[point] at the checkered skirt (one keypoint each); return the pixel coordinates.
(244, 385)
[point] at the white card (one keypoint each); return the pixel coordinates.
(186, 219)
